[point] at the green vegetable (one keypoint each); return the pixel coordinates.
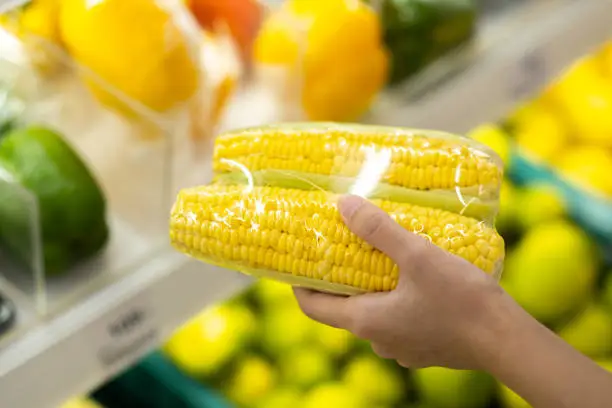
(39, 167)
(417, 32)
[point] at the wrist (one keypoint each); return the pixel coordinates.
(498, 326)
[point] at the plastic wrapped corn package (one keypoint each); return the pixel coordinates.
(271, 209)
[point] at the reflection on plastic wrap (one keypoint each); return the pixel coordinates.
(271, 210)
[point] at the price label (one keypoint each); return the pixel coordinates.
(530, 74)
(127, 334)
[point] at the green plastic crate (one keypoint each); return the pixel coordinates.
(156, 383)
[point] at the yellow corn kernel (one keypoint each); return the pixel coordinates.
(254, 229)
(420, 161)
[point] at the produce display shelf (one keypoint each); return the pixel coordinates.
(517, 53)
(70, 352)
(73, 352)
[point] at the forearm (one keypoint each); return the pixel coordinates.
(542, 368)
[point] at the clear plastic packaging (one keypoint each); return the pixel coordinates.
(167, 69)
(271, 209)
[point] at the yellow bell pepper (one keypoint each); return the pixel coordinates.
(136, 47)
(333, 49)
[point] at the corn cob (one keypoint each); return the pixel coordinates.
(299, 234)
(271, 210)
(421, 160)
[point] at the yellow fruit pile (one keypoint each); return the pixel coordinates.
(261, 351)
(569, 127)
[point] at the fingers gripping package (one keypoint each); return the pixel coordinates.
(271, 210)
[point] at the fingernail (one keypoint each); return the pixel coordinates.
(348, 205)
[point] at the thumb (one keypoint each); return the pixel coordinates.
(377, 228)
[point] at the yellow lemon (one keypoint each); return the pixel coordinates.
(333, 395)
(273, 295)
(252, 380)
(539, 203)
(305, 367)
(317, 42)
(606, 364)
(587, 166)
(494, 137)
(584, 94)
(285, 329)
(136, 47)
(551, 272)
(281, 398)
(510, 399)
(389, 387)
(590, 332)
(336, 342)
(445, 388)
(540, 131)
(208, 341)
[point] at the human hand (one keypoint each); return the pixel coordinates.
(444, 311)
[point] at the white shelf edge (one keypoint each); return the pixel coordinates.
(503, 76)
(61, 358)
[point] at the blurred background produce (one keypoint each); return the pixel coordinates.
(191, 56)
(71, 207)
(314, 43)
(47, 192)
(152, 63)
(307, 49)
(240, 18)
(418, 32)
(166, 65)
(569, 127)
